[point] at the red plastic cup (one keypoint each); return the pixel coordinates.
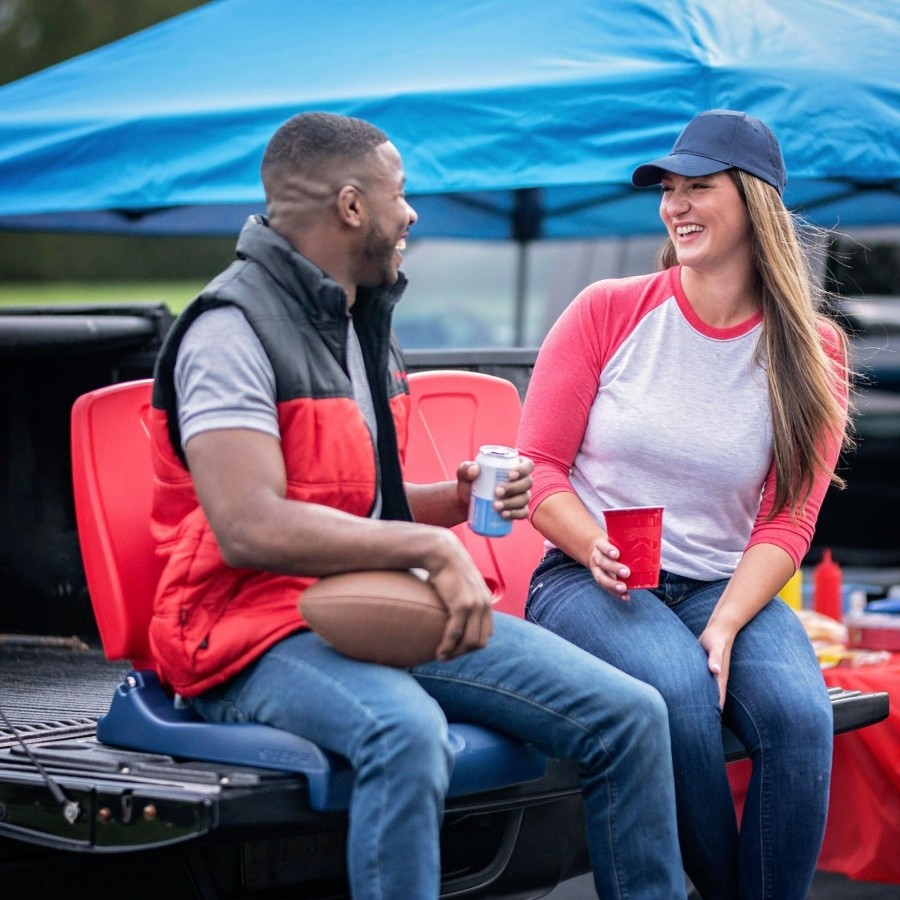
(637, 533)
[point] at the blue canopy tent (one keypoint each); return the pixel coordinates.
(514, 121)
(162, 132)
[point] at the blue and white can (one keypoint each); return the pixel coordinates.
(495, 463)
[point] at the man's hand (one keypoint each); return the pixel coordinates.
(461, 587)
(512, 496)
(471, 621)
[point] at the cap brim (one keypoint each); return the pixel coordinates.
(686, 164)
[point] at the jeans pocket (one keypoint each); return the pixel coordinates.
(554, 566)
(533, 591)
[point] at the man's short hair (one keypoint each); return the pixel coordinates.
(315, 143)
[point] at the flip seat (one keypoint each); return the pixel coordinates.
(112, 485)
(453, 413)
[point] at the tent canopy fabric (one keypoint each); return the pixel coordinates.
(513, 120)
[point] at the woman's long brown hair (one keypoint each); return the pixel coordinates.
(805, 387)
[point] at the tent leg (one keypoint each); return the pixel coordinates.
(521, 285)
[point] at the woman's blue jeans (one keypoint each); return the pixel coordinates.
(777, 704)
(392, 726)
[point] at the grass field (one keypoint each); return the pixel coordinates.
(175, 294)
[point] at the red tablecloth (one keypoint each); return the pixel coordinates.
(862, 838)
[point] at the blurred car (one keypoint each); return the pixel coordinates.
(862, 523)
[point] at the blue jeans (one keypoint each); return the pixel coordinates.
(777, 704)
(392, 726)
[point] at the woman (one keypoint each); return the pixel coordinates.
(715, 389)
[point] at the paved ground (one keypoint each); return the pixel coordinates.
(837, 887)
(825, 887)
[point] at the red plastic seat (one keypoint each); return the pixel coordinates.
(112, 485)
(453, 414)
(112, 478)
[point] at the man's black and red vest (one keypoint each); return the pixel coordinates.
(209, 619)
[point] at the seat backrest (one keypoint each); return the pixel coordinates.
(453, 413)
(113, 485)
(112, 481)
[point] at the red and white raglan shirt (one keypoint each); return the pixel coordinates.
(634, 401)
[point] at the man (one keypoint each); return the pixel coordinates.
(279, 397)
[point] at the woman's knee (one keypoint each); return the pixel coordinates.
(793, 722)
(805, 716)
(691, 698)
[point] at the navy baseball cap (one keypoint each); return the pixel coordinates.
(716, 140)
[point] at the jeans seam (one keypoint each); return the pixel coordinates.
(610, 787)
(763, 824)
(383, 739)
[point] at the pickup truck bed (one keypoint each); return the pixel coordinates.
(237, 831)
(210, 830)
(148, 824)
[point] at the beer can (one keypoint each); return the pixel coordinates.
(494, 463)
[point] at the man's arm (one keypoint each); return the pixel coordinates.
(446, 503)
(240, 480)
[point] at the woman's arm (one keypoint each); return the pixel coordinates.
(763, 571)
(564, 520)
(794, 533)
(558, 404)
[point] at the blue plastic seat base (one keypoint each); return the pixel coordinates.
(143, 717)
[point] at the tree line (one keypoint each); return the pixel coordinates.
(35, 34)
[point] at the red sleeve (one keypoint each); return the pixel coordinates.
(795, 536)
(559, 398)
(568, 370)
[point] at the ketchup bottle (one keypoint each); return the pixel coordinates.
(827, 587)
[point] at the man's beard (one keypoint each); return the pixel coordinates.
(378, 254)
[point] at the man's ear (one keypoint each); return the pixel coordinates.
(350, 205)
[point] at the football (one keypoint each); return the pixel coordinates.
(390, 617)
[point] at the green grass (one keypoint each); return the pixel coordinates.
(175, 294)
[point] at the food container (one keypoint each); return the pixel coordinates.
(873, 630)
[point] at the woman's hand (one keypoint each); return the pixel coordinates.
(759, 576)
(564, 520)
(717, 642)
(608, 572)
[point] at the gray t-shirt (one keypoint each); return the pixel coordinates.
(223, 379)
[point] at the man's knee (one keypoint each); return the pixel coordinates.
(648, 708)
(414, 737)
